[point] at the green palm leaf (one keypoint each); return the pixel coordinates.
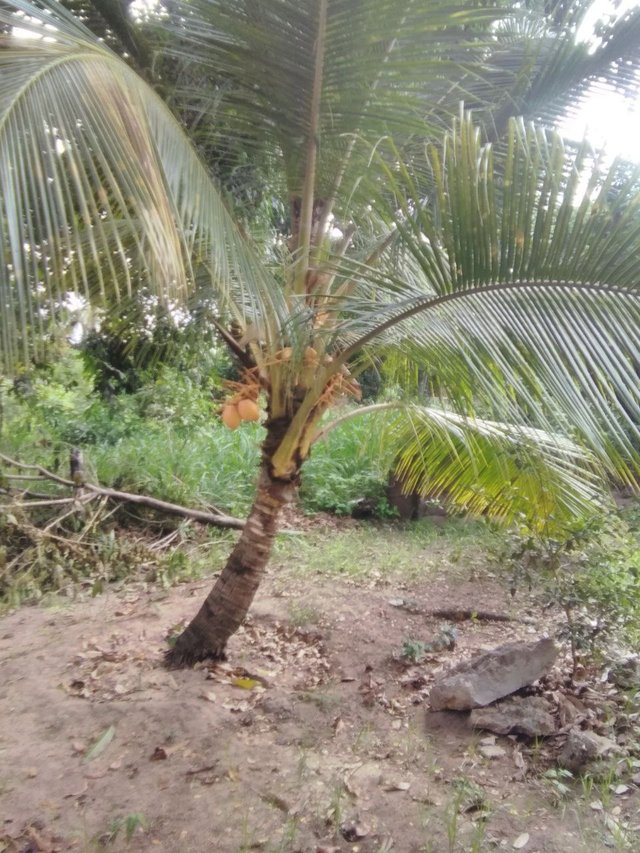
(525, 298)
(503, 471)
(384, 66)
(102, 193)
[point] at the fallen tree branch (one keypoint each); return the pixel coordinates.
(215, 519)
(459, 614)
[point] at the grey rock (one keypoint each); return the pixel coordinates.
(525, 715)
(625, 673)
(582, 748)
(492, 675)
(364, 779)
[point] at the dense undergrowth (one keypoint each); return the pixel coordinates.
(167, 440)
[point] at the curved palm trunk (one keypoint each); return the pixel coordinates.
(226, 606)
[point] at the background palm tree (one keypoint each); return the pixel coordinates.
(481, 249)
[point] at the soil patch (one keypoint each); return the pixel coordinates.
(314, 737)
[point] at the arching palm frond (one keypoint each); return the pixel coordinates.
(527, 302)
(381, 66)
(101, 192)
(501, 470)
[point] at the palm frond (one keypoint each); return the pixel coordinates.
(387, 66)
(101, 191)
(556, 61)
(526, 301)
(503, 471)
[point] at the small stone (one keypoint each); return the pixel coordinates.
(492, 752)
(625, 673)
(278, 707)
(353, 830)
(521, 841)
(397, 786)
(582, 748)
(364, 778)
(247, 719)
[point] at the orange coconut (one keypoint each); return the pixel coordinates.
(248, 410)
(231, 416)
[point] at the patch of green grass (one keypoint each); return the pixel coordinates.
(128, 826)
(206, 465)
(301, 615)
(380, 550)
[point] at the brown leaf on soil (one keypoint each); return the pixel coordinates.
(81, 787)
(159, 754)
(275, 801)
(39, 844)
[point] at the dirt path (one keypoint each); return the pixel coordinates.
(312, 738)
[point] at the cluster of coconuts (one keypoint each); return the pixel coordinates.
(236, 411)
(244, 407)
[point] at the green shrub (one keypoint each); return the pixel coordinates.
(349, 465)
(592, 574)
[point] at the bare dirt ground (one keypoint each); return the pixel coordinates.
(313, 737)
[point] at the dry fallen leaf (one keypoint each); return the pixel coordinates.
(159, 754)
(521, 841)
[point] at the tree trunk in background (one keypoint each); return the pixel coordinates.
(226, 606)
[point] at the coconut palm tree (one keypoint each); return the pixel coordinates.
(477, 246)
